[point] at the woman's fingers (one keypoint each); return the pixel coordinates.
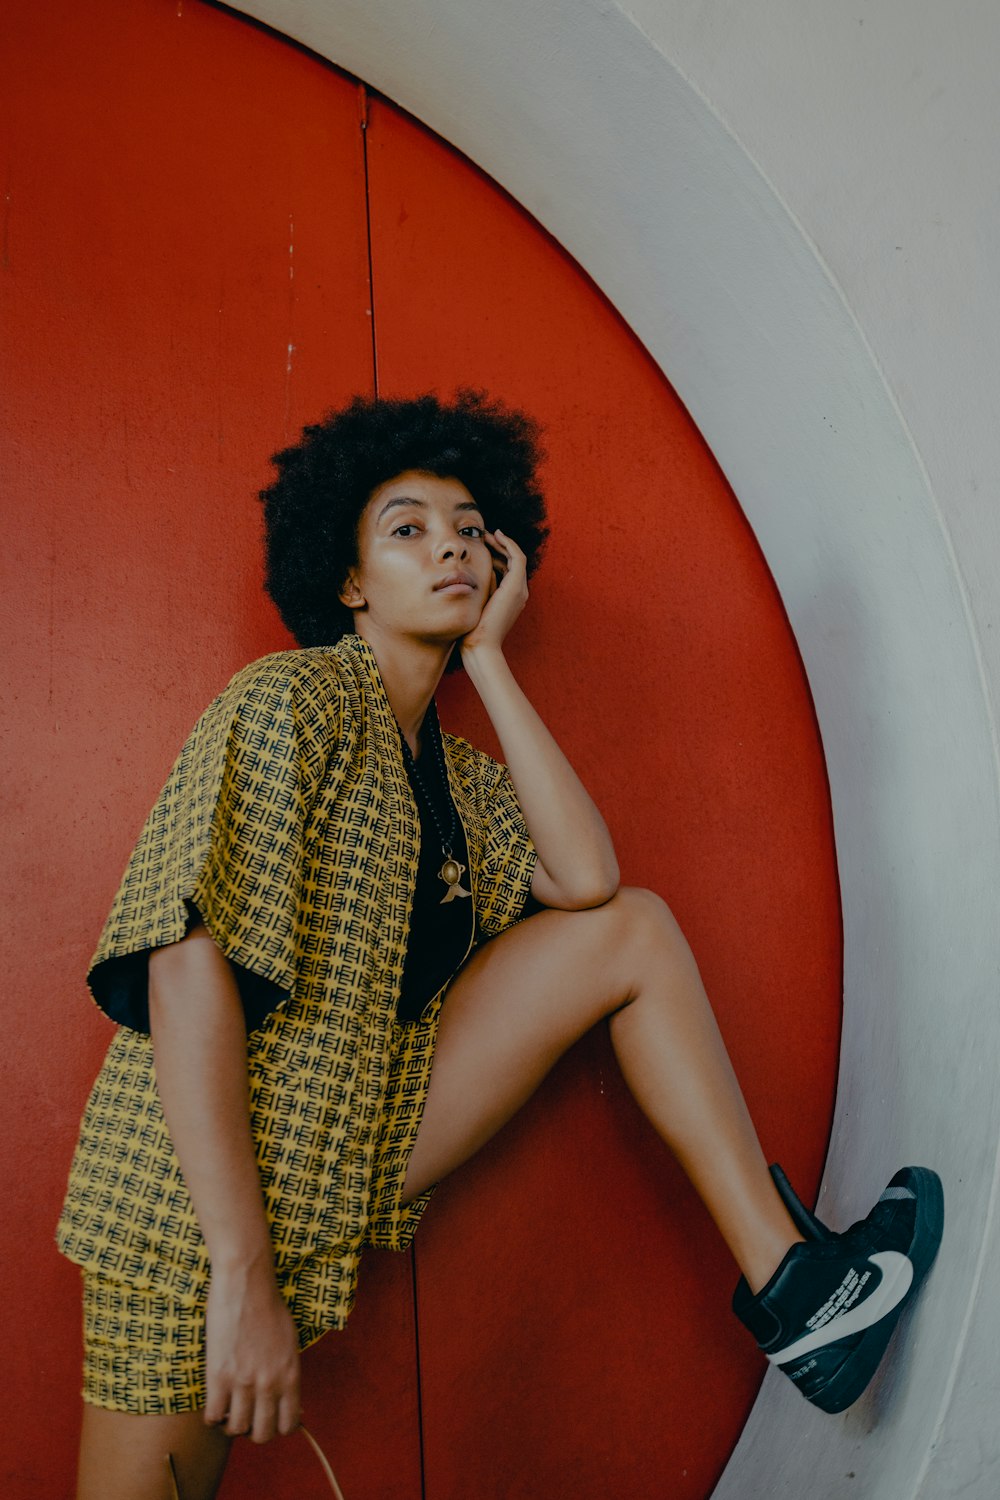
(252, 1357)
(509, 557)
(289, 1412)
(499, 570)
(260, 1415)
(505, 550)
(265, 1417)
(216, 1400)
(277, 1410)
(241, 1411)
(504, 603)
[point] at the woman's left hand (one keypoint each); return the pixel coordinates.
(505, 600)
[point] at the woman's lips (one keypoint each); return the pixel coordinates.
(456, 588)
(464, 576)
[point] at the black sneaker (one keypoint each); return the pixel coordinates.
(828, 1312)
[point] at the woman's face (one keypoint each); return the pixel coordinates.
(416, 531)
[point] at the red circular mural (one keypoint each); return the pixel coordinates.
(203, 250)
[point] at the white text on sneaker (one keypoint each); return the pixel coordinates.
(897, 1278)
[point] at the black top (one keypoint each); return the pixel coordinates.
(440, 931)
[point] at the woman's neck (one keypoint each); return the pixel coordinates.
(410, 671)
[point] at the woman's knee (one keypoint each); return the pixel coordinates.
(616, 924)
(641, 907)
(645, 917)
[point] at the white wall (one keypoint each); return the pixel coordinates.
(795, 204)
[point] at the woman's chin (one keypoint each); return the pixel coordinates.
(446, 643)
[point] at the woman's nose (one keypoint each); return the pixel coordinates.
(452, 546)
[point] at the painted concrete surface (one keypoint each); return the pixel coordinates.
(737, 178)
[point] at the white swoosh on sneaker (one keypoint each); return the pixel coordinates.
(897, 1277)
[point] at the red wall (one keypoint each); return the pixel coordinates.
(185, 281)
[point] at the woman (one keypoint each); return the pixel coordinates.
(347, 947)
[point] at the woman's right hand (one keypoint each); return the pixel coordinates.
(251, 1355)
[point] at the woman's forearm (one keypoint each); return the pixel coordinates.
(571, 837)
(200, 1055)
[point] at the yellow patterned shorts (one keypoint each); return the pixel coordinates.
(144, 1352)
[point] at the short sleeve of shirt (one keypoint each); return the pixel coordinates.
(226, 839)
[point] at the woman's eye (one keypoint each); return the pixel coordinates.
(410, 526)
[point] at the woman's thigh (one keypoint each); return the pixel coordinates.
(123, 1456)
(521, 1000)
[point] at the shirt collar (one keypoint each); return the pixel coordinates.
(354, 648)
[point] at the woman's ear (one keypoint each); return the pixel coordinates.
(350, 594)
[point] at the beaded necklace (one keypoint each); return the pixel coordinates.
(451, 871)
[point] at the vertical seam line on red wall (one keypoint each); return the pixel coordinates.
(363, 122)
(416, 1353)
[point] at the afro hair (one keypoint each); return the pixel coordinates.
(324, 481)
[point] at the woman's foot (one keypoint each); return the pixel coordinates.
(828, 1312)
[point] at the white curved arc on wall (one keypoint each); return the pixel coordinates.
(575, 111)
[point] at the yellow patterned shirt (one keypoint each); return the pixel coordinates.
(288, 821)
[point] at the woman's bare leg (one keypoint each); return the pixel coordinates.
(526, 996)
(124, 1456)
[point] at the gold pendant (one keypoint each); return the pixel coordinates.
(451, 873)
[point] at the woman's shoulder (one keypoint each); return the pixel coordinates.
(304, 667)
(306, 680)
(285, 697)
(343, 669)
